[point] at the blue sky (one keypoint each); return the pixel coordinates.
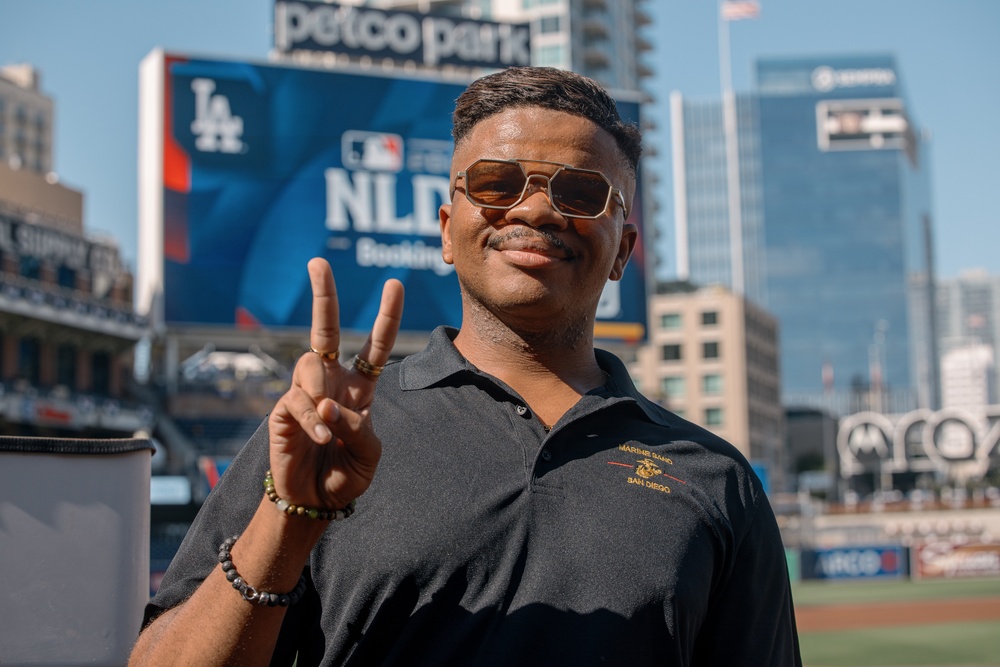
(948, 54)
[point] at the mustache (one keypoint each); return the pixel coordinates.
(544, 235)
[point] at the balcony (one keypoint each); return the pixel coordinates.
(595, 59)
(33, 300)
(594, 29)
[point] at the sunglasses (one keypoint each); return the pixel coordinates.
(574, 193)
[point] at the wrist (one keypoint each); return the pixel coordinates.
(293, 510)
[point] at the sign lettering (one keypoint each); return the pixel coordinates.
(434, 40)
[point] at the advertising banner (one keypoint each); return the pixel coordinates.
(869, 562)
(428, 39)
(265, 167)
(941, 559)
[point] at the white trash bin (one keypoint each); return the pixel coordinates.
(74, 549)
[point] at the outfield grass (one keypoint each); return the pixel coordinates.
(946, 644)
(852, 592)
(929, 645)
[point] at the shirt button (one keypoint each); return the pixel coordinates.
(521, 410)
(546, 455)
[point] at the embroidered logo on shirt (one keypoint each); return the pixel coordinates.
(647, 470)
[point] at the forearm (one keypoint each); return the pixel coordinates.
(216, 626)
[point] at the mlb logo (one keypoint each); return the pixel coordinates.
(372, 151)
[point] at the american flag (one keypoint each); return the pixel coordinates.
(737, 10)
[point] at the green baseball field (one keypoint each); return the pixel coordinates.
(930, 623)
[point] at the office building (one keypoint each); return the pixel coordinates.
(67, 325)
(968, 314)
(967, 377)
(712, 358)
(836, 231)
(598, 38)
(701, 212)
(25, 120)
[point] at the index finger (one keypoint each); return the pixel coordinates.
(324, 336)
(378, 347)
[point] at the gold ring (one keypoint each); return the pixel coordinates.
(366, 367)
(326, 356)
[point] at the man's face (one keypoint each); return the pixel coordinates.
(531, 261)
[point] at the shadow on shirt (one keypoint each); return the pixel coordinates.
(400, 631)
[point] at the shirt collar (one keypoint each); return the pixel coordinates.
(441, 360)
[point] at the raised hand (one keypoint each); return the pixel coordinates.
(323, 449)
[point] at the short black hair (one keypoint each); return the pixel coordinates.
(548, 88)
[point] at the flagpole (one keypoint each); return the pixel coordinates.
(732, 158)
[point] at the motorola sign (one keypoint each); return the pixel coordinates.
(953, 441)
(432, 40)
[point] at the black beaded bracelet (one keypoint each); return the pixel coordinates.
(251, 594)
(298, 510)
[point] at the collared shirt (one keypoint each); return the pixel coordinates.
(624, 535)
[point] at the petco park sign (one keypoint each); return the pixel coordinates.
(401, 36)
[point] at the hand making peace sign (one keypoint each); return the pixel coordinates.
(323, 449)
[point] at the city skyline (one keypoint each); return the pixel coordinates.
(88, 55)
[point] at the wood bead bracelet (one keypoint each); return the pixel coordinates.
(298, 510)
(251, 594)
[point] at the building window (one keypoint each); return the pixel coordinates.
(711, 384)
(101, 363)
(709, 318)
(673, 386)
(28, 359)
(713, 416)
(549, 56)
(670, 321)
(678, 411)
(66, 366)
(710, 350)
(31, 267)
(548, 24)
(672, 352)
(66, 277)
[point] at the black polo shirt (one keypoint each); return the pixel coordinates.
(625, 536)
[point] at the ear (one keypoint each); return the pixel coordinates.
(626, 244)
(444, 214)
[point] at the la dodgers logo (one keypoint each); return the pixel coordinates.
(215, 127)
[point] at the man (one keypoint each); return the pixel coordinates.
(518, 502)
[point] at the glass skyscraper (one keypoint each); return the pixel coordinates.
(836, 226)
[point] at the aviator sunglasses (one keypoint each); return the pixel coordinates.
(574, 193)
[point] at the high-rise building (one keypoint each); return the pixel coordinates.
(967, 376)
(597, 38)
(968, 313)
(25, 120)
(701, 209)
(712, 358)
(836, 225)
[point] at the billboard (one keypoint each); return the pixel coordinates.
(401, 36)
(944, 559)
(249, 170)
(868, 562)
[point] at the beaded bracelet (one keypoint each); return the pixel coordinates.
(251, 594)
(298, 510)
